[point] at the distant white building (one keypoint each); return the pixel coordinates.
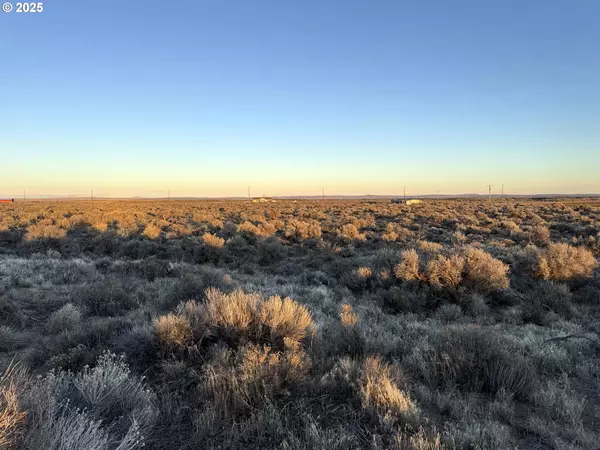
(409, 201)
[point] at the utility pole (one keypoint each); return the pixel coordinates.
(503, 190)
(405, 193)
(248, 192)
(323, 194)
(24, 196)
(438, 194)
(92, 194)
(490, 186)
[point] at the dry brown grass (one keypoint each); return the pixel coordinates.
(562, 262)
(12, 418)
(419, 441)
(380, 394)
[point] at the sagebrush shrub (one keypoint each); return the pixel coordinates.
(211, 240)
(474, 360)
(302, 230)
(562, 262)
(241, 381)
(359, 278)
(67, 318)
(249, 316)
(483, 272)
(445, 272)
(349, 232)
(173, 331)
(430, 247)
(106, 299)
(347, 316)
(284, 319)
(99, 408)
(45, 230)
(540, 234)
(231, 314)
(152, 231)
(408, 267)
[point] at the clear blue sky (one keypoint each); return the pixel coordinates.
(208, 97)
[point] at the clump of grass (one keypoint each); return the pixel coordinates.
(375, 386)
(12, 417)
(380, 394)
(562, 262)
(12, 339)
(349, 338)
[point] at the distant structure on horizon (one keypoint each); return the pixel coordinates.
(7, 200)
(409, 201)
(263, 200)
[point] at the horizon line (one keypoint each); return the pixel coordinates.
(290, 197)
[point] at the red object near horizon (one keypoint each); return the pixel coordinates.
(9, 200)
